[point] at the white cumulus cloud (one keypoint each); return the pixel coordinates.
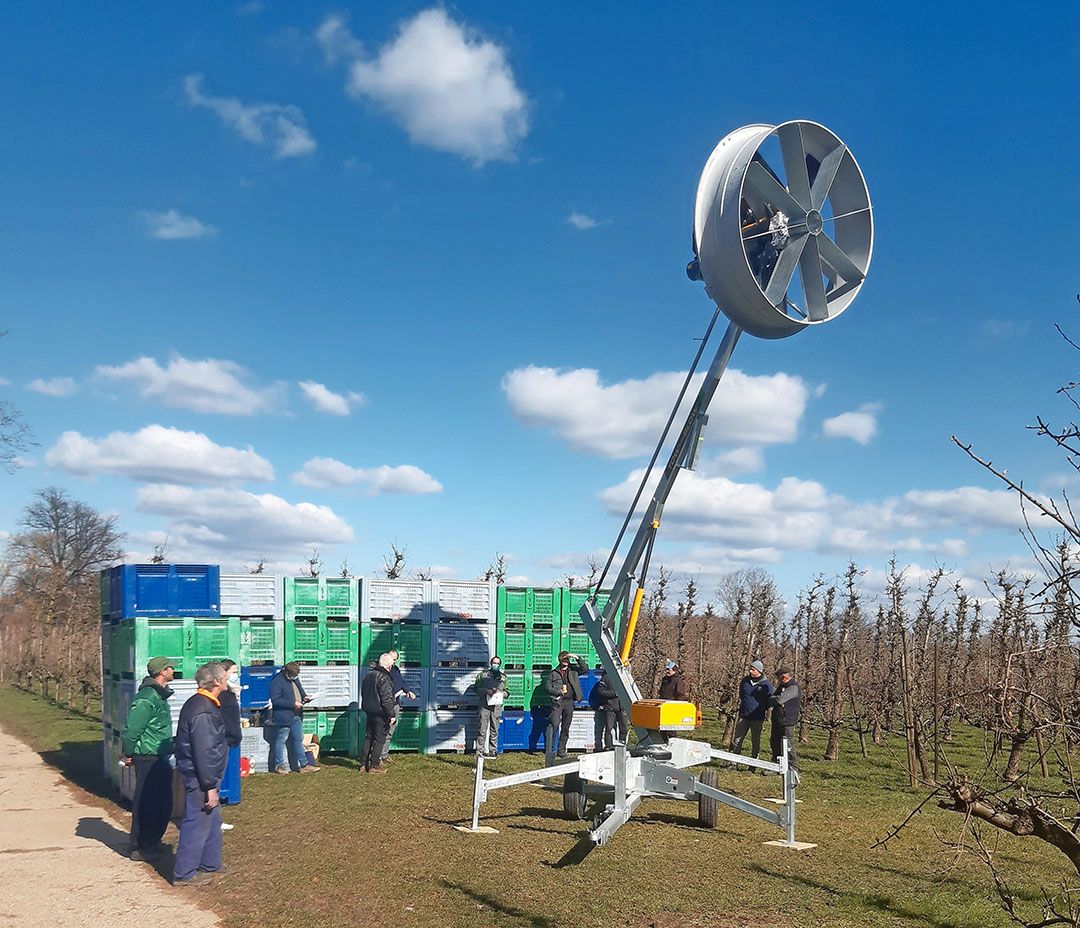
(623, 420)
(57, 386)
(173, 225)
(324, 473)
(447, 85)
(210, 385)
(158, 453)
(581, 221)
(281, 128)
(860, 425)
(326, 400)
(241, 525)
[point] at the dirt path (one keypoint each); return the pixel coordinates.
(62, 863)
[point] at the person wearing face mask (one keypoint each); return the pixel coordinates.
(564, 688)
(147, 746)
(230, 713)
(491, 687)
(287, 699)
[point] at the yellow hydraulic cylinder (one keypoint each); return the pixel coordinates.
(631, 624)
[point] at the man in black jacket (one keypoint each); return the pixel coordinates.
(377, 701)
(201, 755)
(673, 683)
(786, 707)
(613, 715)
(564, 689)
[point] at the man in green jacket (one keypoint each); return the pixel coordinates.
(148, 745)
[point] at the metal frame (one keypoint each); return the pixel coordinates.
(625, 780)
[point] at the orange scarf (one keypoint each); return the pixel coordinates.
(210, 696)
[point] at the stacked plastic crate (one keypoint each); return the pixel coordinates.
(159, 610)
(322, 635)
(463, 640)
(255, 602)
(396, 615)
(528, 635)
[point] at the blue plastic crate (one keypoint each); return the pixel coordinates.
(588, 683)
(229, 792)
(255, 686)
(514, 730)
(159, 590)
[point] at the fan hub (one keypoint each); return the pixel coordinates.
(814, 222)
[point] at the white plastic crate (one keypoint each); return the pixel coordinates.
(583, 731)
(462, 642)
(255, 749)
(452, 730)
(417, 680)
(396, 600)
(465, 600)
(332, 687)
(183, 690)
(455, 686)
(251, 595)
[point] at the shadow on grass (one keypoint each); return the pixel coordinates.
(574, 856)
(532, 918)
(1027, 895)
(80, 763)
(871, 900)
(526, 812)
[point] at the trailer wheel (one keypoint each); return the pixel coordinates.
(573, 797)
(706, 805)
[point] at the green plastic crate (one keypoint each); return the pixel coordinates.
(338, 731)
(213, 640)
(262, 641)
(512, 645)
(577, 641)
(410, 734)
(526, 605)
(322, 597)
(544, 644)
(322, 641)
(525, 689)
(412, 641)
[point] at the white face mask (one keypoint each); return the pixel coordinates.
(234, 679)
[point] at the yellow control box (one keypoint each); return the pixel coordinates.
(665, 715)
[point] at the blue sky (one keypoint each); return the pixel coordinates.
(281, 275)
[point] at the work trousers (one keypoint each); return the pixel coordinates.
(199, 847)
(489, 730)
(152, 806)
(776, 742)
(290, 736)
(614, 722)
(378, 725)
(741, 728)
(558, 729)
(390, 726)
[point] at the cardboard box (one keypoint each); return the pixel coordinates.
(311, 745)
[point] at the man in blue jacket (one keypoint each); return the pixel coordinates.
(754, 693)
(201, 755)
(287, 699)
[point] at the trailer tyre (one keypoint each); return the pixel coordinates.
(573, 797)
(706, 805)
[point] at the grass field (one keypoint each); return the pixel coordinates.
(340, 849)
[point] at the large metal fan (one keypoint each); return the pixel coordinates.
(783, 227)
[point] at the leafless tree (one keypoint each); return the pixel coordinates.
(394, 563)
(496, 570)
(313, 565)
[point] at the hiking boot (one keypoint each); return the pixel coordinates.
(214, 874)
(145, 854)
(282, 770)
(199, 879)
(310, 768)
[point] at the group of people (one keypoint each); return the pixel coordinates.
(208, 728)
(757, 699)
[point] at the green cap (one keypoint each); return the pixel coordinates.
(155, 665)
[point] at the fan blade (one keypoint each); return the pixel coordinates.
(833, 256)
(826, 174)
(794, 153)
(810, 265)
(784, 270)
(772, 192)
